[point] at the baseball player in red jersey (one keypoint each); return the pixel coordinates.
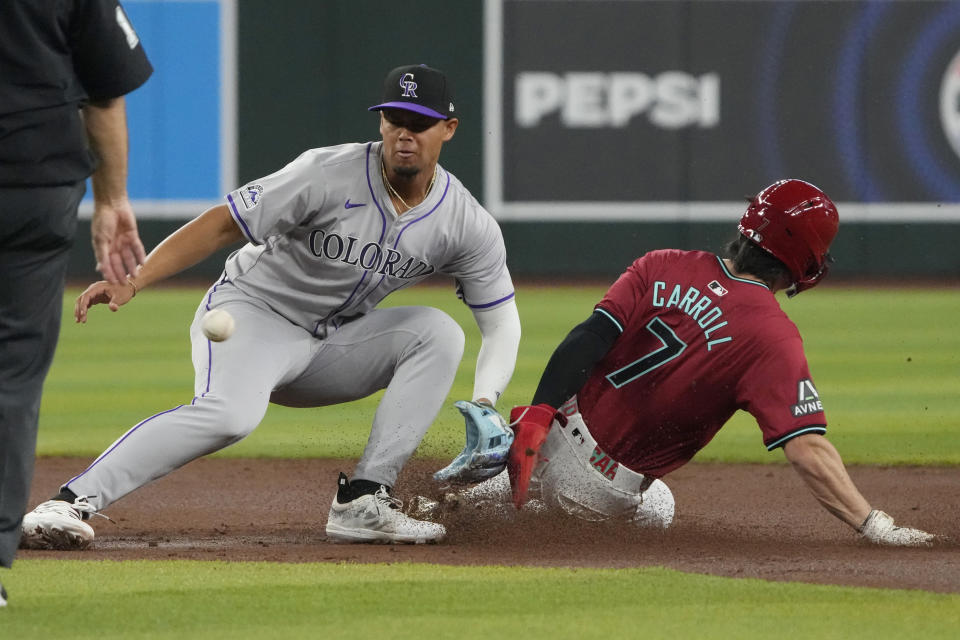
(681, 341)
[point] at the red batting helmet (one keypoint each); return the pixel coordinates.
(795, 222)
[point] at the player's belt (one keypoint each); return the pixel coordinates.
(575, 431)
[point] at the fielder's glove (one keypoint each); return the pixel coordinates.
(488, 444)
(879, 528)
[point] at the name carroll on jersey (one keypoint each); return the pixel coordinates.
(699, 306)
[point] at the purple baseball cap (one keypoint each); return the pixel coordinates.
(417, 88)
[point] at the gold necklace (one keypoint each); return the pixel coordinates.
(386, 182)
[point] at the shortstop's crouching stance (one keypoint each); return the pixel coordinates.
(327, 238)
(680, 342)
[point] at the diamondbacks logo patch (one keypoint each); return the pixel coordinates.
(808, 400)
(251, 195)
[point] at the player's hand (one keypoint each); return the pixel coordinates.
(879, 529)
(109, 293)
(116, 242)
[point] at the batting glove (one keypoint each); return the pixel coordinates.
(879, 529)
(531, 424)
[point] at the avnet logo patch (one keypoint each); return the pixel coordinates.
(808, 400)
(669, 100)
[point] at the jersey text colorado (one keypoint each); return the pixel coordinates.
(369, 256)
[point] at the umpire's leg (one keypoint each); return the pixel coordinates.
(36, 232)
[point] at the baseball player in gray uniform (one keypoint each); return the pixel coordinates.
(327, 238)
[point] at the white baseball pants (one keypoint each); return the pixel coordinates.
(566, 478)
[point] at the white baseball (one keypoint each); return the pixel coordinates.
(217, 325)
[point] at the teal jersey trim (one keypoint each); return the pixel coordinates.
(612, 319)
(821, 429)
(733, 277)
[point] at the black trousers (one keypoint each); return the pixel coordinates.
(37, 227)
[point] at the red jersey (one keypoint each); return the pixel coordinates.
(696, 344)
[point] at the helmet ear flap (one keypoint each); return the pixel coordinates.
(813, 280)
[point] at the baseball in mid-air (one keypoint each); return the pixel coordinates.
(217, 325)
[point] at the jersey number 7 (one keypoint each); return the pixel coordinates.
(672, 347)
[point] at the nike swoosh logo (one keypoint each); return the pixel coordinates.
(353, 205)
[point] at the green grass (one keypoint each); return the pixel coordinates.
(886, 363)
(182, 599)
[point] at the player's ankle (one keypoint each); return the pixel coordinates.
(364, 487)
(66, 495)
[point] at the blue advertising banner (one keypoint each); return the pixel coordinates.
(182, 122)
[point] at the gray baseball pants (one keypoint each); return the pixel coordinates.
(412, 352)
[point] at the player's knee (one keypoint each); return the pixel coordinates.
(238, 424)
(657, 509)
(443, 334)
(230, 419)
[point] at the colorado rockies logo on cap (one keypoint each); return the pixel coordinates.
(418, 88)
(408, 85)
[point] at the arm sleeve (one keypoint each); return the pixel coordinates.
(573, 361)
(500, 332)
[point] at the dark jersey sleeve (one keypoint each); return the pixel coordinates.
(108, 57)
(54, 57)
(622, 301)
(572, 361)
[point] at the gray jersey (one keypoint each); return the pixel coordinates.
(325, 244)
(325, 247)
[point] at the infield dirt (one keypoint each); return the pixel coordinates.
(745, 521)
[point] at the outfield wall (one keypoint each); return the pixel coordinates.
(603, 249)
(593, 130)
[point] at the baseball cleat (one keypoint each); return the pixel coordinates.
(376, 517)
(3, 596)
(59, 525)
